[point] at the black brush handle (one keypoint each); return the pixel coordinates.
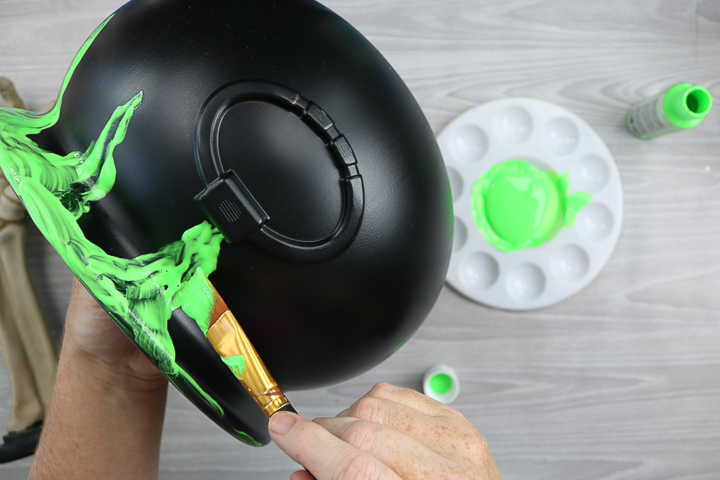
(286, 408)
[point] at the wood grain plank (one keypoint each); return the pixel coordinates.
(622, 380)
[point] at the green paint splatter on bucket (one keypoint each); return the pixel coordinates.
(517, 206)
(141, 293)
(199, 300)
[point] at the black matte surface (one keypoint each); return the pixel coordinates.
(196, 356)
(313, 323)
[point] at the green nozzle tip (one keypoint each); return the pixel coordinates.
(441, 383)
(686, 105)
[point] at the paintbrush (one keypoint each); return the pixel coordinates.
(230, 342)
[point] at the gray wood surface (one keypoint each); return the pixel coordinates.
(621, 381)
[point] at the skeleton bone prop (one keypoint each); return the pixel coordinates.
(26, 347)
(9, 94)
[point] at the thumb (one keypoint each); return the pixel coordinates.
(81, 302)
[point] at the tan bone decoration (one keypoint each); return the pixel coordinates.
(26, 347)
(9, 94)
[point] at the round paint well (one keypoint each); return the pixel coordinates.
(550, 138)
(468, 144)
(569, 263)
(479, 271)
(513, 125)
(595, 222)
(456, 183)
(440, 383)
(560, 136)
(525, 283)
(590, 173)
(460, 235)
(516, 205)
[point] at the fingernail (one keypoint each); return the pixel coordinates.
(281, 423)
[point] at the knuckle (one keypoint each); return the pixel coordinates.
(467, 475)
(358, 467)
(475, 449)
(461, 470)
(382, 390)
(368, 408)
(364, 436)
(454, 415)
(480, 449)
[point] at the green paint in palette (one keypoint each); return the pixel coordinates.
(516, 205)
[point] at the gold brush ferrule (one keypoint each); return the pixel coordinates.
(229, 339)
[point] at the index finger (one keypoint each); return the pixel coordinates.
(322, 453)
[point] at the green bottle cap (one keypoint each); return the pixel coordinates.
(686, 105)
(441, 383)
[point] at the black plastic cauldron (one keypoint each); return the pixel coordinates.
(283, 102)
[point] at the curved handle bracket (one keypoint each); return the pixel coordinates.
(230, 206)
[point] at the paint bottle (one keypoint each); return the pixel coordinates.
(681, 107)
(441, 383)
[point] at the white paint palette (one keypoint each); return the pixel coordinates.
(549, 137)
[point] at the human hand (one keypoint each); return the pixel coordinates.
(391, 433)
(106, 413)
(90, 332)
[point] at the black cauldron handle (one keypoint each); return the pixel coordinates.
(231, 207)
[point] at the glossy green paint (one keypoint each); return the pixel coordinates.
(686, 105)
(77, 176)
(141, 293)
(441, 383)
(199, 300)
(517, 206)
(236, 364)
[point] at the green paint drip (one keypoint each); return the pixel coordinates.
(441, 383)
(517, 206)
(139, 294)
(198, 300)
(236, 364)
(78, 176)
